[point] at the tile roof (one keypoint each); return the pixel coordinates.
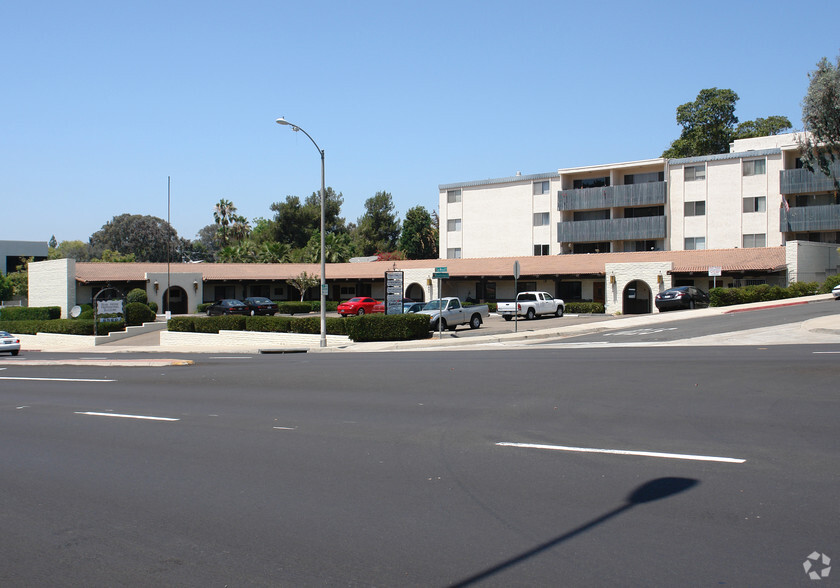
(766, 259)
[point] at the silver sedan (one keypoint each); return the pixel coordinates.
(9, 343)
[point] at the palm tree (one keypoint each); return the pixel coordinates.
(222, 214)
(240, 229)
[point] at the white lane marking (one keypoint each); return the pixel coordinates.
(824, 352)
(285, 428)
(625, 452)
(52, 379)
(231, 357)
(128, 416)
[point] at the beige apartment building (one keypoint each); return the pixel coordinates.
(757, 195)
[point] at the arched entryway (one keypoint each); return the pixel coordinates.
(177, 300)
(415, 292)
(636, 298)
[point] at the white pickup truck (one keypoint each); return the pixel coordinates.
(454, 314)
(530, 305)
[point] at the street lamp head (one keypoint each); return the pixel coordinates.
(282, 121)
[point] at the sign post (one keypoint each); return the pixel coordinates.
(440, 273)
(393, 292)
(714, 272)
(515, 296)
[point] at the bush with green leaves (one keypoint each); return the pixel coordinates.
(293, 308)
(137, 313)
(137, 295)
(153, 305)
(388, 327)
(760, 293)
(214, 324)
(829, 284)
(584, 308)
(30, 313)
(59, 326)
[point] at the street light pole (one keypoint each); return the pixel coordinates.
(283, 121)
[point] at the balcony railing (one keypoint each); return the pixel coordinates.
(810, 218)
(616, 229)
(647, 194)
(801, 181)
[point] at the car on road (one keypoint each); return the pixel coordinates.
(9, 343)
(681, 297)
(228, 306)
(260, 305)
(358, 306)
(836, 292)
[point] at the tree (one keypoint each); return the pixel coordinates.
(115, 257)
(338, 248)
(6, 287)
(52, 243)
(378, 228)
(239, 228)
(149, 238)
(296, 222)
(221, 214)
(709, 125)
(78, 250)
(821, 115)
(763, 127)
(419, 237)
(304, 282)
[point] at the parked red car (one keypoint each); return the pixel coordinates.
(359, 305)
(380, 306)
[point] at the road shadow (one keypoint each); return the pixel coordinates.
(648, 492)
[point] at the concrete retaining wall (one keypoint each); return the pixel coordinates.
(249, 339)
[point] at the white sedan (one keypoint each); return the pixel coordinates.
(9, 343)
(836, 291)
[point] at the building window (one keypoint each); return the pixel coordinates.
(348, 291)
(757, 240)
(541, 219)
(695, 172)
(591, 183)
(644, 211)
(755, 167)
(453, 225)
(695, 208)
(589, 215)
(569, 290)
(644, 178)
(453, 196)
(755, 204)
(540, 249)
(649, 245)
(453, 253)
(695, 242)
(540, 188)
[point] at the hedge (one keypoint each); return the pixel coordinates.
(29, 313)
(584, 308)
(388, 327)
(760, 293)
(137, 313)
(369, 327)
(59, 326)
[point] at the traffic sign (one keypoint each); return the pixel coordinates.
(439, 275)
(441, 270)
(516, 269)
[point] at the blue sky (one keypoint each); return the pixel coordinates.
(101, 102)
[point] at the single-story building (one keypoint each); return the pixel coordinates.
(624, 282)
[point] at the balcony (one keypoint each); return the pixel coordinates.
(810, 218)
(801, 181)
(650, 193)
(614, 229)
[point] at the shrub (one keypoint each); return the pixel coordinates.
(204, 306)
(214, 324)
(137, 295)
(760, 293)
(797, 289)
(584, 307)
(267, 324)
(294, 308)
(137, 313)
(153, 306)
(388, 327)
(181, 324)
(829, 284)
(30, 313)
(59, 326)
(86, 314)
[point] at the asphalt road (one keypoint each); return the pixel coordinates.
(387, 469)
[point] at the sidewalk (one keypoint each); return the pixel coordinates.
(820, 330)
